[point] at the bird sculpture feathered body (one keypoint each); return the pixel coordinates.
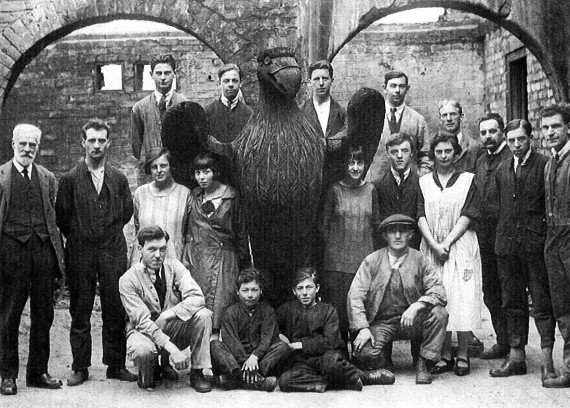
(278, 159)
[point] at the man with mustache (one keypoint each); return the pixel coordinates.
(147, 114)
(491, 129)
(93, 204)
(31, 256)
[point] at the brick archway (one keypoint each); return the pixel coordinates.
(234, 32)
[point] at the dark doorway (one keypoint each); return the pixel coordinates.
(517, 94)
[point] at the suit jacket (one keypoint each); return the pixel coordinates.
(140, 300)
(421, 282)
(414, 125)
(48, 189)
(336, 121)
(146, 124)
(471, 150)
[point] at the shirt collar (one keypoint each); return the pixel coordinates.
(229, 104)
(524, 159)
(397, 175)
(399, 109)
(501, 147)
(20, 168)
(564, 152)
(168, 95)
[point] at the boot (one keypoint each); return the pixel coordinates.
(422, 374)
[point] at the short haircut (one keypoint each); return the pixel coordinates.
(398, 139)
(208, 160)
(393, 75)
(519, 124)
(451, 102)
(26, 129)
(162, 59)
(557, 109)
(355, 153)
(303, 273)
(154, 154)
(151, 233)
(229, 67)
(248, 275)
(444, 137)
(97, 124)
(322, 64)
(493, 116)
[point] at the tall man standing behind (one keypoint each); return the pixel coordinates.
(555, 121)
(147, 114)
(93, 204)
(491, 129)
(400, 118)
(31, 255)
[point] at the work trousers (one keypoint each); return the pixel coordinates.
(429, 328)
(310, 373)
(86, 266)
(557, 256)
(194, 333)
(518, 271)
(492, 296)
(26, 270)
(224, 362)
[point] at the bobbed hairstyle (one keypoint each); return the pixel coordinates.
(248, 275)
(303, 273)
(322, 64)
(151, 233)
(154, 154)
(208, 160)
(519, 124)
(355, 153)
(444, 137)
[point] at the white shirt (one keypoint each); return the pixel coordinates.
(397, 175)
(168, 95)
(228, 103)
(562, 153)
(398, 113)
(501, 146)
(20, 168)
(323, 110)
(524, 159)
(97, 177)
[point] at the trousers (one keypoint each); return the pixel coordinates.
(224, 362)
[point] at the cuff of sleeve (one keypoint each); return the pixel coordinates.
(160, 339)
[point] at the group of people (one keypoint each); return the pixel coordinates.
(413, 242)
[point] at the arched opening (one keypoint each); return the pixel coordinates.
(460, 56)
(99, 70)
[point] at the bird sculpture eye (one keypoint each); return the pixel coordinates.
(267, 61)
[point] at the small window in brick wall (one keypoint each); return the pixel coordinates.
(143, 78)
(109, 77)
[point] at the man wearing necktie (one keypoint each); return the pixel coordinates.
(400, 118)
(555, 121)
(147, 114)
(31, 256)
(166, 313)
(519, 245)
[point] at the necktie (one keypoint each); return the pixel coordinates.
(393, 115)
(518, 170)
(160, 286)
(25, 173)
(162, 106)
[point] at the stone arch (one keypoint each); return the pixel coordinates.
(232, 37)
(513, 15)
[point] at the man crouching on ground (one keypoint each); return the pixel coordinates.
(167, 313)
(310, 327)
(396, 293)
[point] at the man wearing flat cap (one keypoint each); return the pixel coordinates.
(31, 257)
(397, 293)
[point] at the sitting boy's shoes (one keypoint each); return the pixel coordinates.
(146, 381)
(199, 382)
(422, 373)
(168, 373)
(266, 384)
(120, 373)
(355, 385)
(226, 382)
(380, 376)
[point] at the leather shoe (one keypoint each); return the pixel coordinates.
(443, 368)
(475, 347)
(120, 373)
(8, 386)
(43, 381)
(546, 374)
(77, 377)
(495, 352)
(146, 382)
(461, 371)
(422, 374)
(199, 382)
(508, 368)
(562, 381)
(380, 376)
(166, 373)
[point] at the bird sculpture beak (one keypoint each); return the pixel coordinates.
(286, 75)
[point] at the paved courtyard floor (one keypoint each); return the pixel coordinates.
(475, 390)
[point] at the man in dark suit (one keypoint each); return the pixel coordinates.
(519, 245)
(31, 256)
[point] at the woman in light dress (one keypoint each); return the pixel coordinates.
(446, 208)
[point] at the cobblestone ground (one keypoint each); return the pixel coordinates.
(475, 390)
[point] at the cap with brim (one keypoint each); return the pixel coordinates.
(397, 219)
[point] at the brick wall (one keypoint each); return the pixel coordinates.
(56, 91)
(442, 62)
